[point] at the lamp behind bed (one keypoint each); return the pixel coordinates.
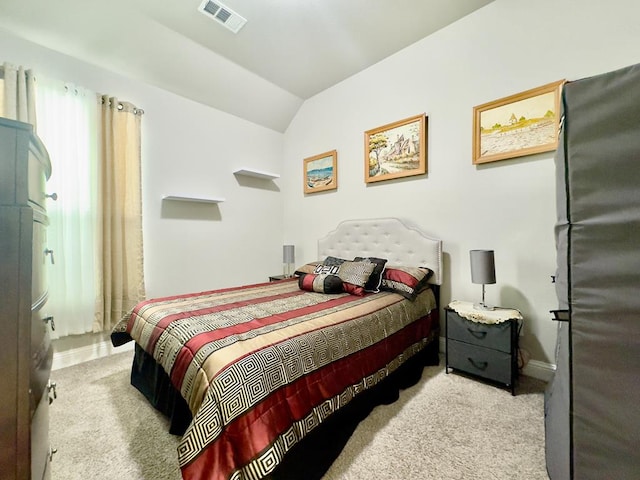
(288, 260)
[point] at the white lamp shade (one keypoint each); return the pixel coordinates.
(483, 268)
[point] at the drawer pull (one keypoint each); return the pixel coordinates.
(478, 365)
(478, 334)
(52, 451)
(50, 319)
(51, 387)
(53, 196)
(48, 251)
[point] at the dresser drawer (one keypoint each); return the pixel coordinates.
(484, 362)
(40, 443)
(40, 377)
(40, 337)
(38, 171)
(496, 336)
(39, 258)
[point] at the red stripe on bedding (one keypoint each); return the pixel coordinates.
(401, 277)
(195, 343)
(294, 402)
(160, 327)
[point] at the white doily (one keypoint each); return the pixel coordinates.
(499, 315)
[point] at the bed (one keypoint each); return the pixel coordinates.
(268, 380)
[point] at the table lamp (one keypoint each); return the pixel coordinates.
(288, 259)
(483, 271)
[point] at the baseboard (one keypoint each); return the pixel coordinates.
(86, 353)
(540, 370)
(534, 368)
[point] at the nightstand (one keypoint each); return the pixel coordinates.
(275, 278)
(487, 350)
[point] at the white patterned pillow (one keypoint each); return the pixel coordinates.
(355, 275)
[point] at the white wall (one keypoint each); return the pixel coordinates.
(509, 206)
(188, 149)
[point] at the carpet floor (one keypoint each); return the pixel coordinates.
(447, 427)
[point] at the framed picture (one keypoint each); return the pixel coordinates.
(321, 172)
(396, 150)
(518, 125)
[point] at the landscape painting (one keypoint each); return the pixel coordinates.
(396, 150)
(321, 172)
(518, 125)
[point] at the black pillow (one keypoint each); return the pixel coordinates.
(373, 284)
(329, 266)
(333, 260)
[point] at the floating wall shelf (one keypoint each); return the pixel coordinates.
(181, 198)
(249, 172)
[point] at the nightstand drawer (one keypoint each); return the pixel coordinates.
(496, 336)
(484, 362)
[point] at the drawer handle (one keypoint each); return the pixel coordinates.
(53, 196)
(50, 319)
(478, 334)
(51, 386)
(478, 365)
(52, 451)
(48, 251)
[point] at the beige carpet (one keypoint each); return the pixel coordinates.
(447, 427)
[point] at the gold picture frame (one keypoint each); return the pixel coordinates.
(517, 125)
(321, 172)
(396, 150)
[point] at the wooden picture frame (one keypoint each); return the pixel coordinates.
(320, 172)
(517, 125)
(396, 150)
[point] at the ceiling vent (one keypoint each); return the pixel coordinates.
(222, 14)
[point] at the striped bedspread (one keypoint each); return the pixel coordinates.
(260, 366)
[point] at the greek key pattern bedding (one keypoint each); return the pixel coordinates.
(262, 365)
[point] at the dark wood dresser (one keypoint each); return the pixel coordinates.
(25, 346)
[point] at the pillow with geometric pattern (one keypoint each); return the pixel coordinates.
(329, 265)
(373, 284)
(355, 275)
(407, 281)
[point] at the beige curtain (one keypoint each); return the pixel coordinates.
(119, 271)
(18, 99)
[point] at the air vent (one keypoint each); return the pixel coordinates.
(222, 14)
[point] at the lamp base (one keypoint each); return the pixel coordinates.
(288, 270)
(483, 306)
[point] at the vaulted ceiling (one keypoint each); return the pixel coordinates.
(286, 52)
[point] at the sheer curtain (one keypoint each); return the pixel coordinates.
(68, 126)
(96, 222)
(18, 98)
(120, 266)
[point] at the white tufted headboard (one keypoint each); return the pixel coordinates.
(388, 238)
